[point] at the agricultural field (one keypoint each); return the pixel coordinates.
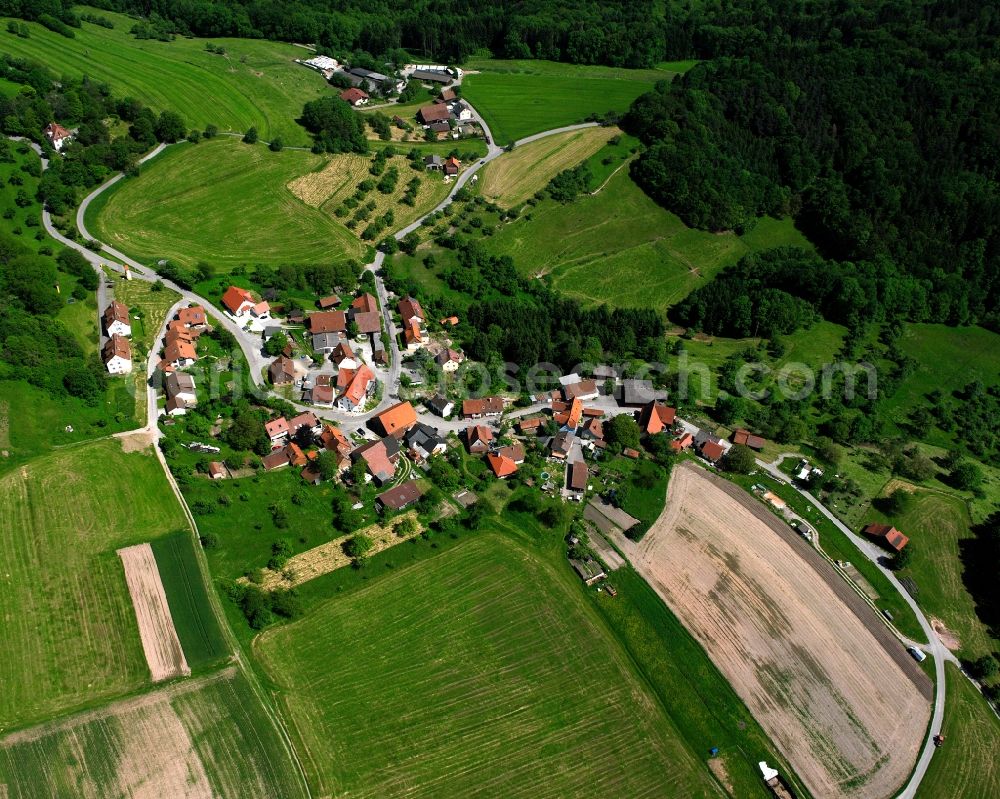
(517, 175)
(518, 98)
(937, 523)
(966, 767)
(835, 691)
(476, 672)
(617, 246)
(202, 738)
(190, 607)
(256, 83)
(223, 202)
(338, 180)
(69, 630)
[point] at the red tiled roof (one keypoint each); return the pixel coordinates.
(501, 465)
(410, 308)
(578, 476)
(368, 321)
(117, 346)
(515, 452)
(486, 405)
(398, 419)
(575, 414)
(353, 94)
(195, 315)
(478, 436)
(401, 496)
(358, 387)
(306, 419)
(656, 417)
(179, 350)
(748, 439)
(712, 451)
(887, 533)
(276, 427)
(116, 312)
(334, 439)
(329, 302)
(235, 297)
(433, 113)
(328, 322)
(365, 303)
(628, 452)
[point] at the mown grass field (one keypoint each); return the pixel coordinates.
(198, 738)
(515, 176)
(196, 625)
(966, 767)
(617, 247)
(69, 631)
(223, 202)
(339, 178)
(937, 523)
(255, 84)
(477, 672)
(518, 98)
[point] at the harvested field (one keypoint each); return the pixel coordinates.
(517, 175)
(156, 628)
(328, 188)
(330, 556)
(204, 738)
(835, 692)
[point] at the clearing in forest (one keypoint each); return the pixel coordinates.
(156, 628)
(836, 693)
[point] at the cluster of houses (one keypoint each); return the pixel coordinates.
(179, 352)
(292, 442)
(117, 350)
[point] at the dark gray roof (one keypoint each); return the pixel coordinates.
(367, 74)
(704, 437)
(423, 436)
(325, 341)
(432, 75)
(638, 392)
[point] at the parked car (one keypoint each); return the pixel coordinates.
(917, 654)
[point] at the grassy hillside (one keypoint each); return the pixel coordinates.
(518, 98)
(223, 202)
(966, 767)
(255, 83)
(68, 627)
(617, 247)
(195, 739)
(478, 671)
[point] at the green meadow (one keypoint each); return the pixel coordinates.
(518, 98)
(966, 767)
(68, 626)
(256, 83)
(479, 671)
(223, 202)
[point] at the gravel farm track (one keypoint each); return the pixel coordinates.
(835, 691)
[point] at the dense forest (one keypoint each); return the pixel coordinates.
(876, 125)
(627, 34)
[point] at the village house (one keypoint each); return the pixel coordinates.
(513, 451)
(281, 371)
(441, 406)
(682, 443)
(364, 303)
(485, 406)
(400, 497)
(327, 322)
(179, 353)
(307, 421)
(354, 96)
(239, 302)
(276, 430)
(410, 308)
(57, 135)
(424, 441)
(576, 476)
(748, 439)
(531, 427)
(176, 406)
(326, 303)
(501, 466)
(452, 165)
(369, 323)
(413, 336)
(709, 446)
(193, 317)
(636, 393)
(356, 393)
(592, 429)
(343, 356)
(575, 388)
(179, 385)
(116, 320)
(325, 342)
(655, 417)
(322, 394)
(449, 360)
(561, 444)
(569, 419)
(395, 421)
(380, 458)
(333, 439)
(478, 439)
(886, 535)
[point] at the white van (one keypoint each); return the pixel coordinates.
(918, 655)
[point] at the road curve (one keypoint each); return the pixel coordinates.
(934, 647)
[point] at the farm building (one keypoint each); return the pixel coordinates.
(327, 322)
(748, 439)
(400, 497)
(655, 417)
(485, 406)
(368, 322)
(579, 389)
(432, 76)
(216, 470)
(430, 114)
(636, 393)
(325, 303)
(354, 96)
(886, 535)
(589, 570)
(576, 476)
(451, 165)
(434, 163)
